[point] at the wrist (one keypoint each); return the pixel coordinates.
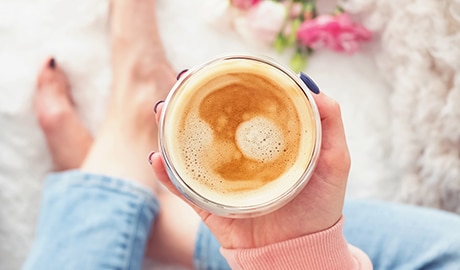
(325, 248)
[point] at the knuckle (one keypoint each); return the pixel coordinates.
(335, 107)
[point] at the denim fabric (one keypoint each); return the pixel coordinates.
(91, 222)
(404, 237)
(96, 222)
(207, 251)
(395, 237)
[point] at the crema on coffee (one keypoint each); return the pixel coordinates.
(239, 132)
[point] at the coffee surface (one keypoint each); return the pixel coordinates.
(266, 147)
(241, 129)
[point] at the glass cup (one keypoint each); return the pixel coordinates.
(240, 135)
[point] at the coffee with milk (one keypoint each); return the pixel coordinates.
(238, 135)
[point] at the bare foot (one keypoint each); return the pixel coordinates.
(67, 138)
(141, 77)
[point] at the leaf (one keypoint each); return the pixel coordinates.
(292, 38)
(299, 61)
(280, 43)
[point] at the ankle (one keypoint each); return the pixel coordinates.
(132, 119)
(174, 233)
(132, 101)
(156, 75)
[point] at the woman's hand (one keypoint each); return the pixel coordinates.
(317, 207)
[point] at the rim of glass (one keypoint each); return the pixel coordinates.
(230, 210)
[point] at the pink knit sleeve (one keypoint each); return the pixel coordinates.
(327, 249)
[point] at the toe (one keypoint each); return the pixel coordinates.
(52, 74)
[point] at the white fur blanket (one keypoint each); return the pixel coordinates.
(419, 57)
(400, 114)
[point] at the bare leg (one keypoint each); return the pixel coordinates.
(67, 138)
(173, 236)
(141, 77)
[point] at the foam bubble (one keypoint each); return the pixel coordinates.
(260, 139)
(196, 137)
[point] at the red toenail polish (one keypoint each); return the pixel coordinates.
(181, 73)
(156, 105)
(52, 63)
(150, 157)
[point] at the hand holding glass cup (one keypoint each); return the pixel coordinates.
(241, 116)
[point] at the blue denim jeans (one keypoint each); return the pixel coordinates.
(96, 222)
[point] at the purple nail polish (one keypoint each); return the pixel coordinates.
(181, 73)
(52, 63)
(150, 157)
(156, 105)
(309, 83)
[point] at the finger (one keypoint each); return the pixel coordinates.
(158, 109)
(334, 156)
(333, 132)
(159, 104)
(161, 174)
(181, 74)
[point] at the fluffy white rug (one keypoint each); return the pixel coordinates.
(419, 58)
(402, 127)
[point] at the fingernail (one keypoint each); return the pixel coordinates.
(150, 157)
(156, 105)
(309, 83)
(52, 63)
(181, 73)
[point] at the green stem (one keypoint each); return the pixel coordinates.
(313, 6)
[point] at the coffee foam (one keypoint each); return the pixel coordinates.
(243, 149)
(260, 139)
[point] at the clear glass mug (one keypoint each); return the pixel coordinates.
(192, 153)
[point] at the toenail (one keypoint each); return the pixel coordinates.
(181, 73)
(52, 63)
(156, 105)
(150, 157)
(309, 83)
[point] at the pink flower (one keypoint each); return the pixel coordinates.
(262, 23)
(335, 32)
(244, 4)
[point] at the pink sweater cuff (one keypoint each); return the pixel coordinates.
(327, 249)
